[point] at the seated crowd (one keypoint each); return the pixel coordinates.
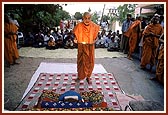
(55, 38)
(111, 41)
(52, 39)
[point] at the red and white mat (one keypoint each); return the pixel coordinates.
(62, 82)
(60, 77)
(46, 67)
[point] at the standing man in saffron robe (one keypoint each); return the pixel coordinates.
(85, 36)
(160, 63)
(133, 33)
(151, 42)
(11, 53)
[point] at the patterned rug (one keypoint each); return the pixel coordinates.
(62, 82)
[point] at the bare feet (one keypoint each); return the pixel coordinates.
(143, 68)
(15, 62)
(130, 58)
(77, 80)
(153, 78)
(88, 80)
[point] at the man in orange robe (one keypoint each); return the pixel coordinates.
(10, 47)
(160, 63)
(133, 35)
(85, 35)
(151, 42)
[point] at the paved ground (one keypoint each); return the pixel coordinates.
(130, 77)
(64, 53)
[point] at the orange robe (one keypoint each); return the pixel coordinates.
(51, 43)
(10, 47)
(133, 35)
(85, 36)
(150, 44)
(160, 66)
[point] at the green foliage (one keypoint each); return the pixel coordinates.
(95, 17)
(43, 14)
(61, 15)
(78, 16)
(44, 17)
(124, 10)
(105, 18)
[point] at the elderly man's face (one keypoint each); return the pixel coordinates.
(87, 19)
(155, 20)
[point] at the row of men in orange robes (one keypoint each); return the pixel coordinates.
(150, 38)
